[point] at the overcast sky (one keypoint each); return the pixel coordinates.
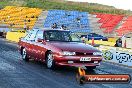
(121, 4)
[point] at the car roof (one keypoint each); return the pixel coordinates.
(92, 33)
(49, 29)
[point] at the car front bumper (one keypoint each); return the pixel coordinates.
(75, 61)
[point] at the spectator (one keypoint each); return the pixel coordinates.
(12, 24)
(24, 20)
(32, 16)
(54, 26)
(4, 20)
(63, 27)
(25, 27)
(8, 17)
(118, 43)
(78, 19)
(28, 20)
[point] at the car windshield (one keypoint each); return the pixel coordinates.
(61, 36)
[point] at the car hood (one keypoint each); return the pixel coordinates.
(74, 47)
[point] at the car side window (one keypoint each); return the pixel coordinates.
(27, 37)
(95, 35)
(75, 38)
(31, 36)
(39, 35)
(90, 35)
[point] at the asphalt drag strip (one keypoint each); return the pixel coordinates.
(15, 73)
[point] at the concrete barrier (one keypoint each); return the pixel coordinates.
(101, 42)
(112, 39)
(14, 36)
(117, 55)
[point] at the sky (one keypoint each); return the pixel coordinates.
(120, 4)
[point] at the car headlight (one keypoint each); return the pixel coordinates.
(98, 53)
(68, 53)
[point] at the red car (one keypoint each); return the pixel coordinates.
(58, 47)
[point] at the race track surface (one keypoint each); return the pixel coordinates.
(15, 73)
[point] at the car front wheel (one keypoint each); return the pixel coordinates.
(24, 55)
(50, 63)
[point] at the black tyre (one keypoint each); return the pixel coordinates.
(91, 67)
(24, 55)
(50, 63)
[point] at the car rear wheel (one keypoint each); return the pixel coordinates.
(50, 63)
(91, 68)
(24, 55)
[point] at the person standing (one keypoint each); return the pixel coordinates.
(25, 26)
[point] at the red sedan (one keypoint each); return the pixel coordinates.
(58, 47)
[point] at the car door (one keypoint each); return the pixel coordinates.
(25, 43)
(29, 42)
(39, 47)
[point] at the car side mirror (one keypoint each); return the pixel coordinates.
(41, 41)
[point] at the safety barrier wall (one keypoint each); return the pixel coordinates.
(102, 42)
(117, 55)
(127, 41)
(14, 36)
(112, 39)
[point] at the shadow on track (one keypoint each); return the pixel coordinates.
(65, 70)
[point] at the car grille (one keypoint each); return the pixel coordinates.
(83, 61)
(79, 53)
